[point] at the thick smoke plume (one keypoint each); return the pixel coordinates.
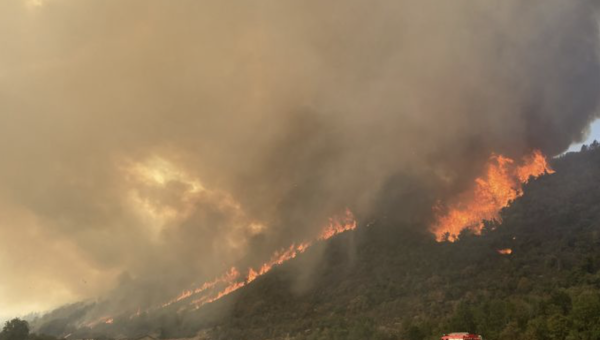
(148, 145)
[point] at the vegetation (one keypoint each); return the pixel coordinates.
(398, 284)
(392, 280)
(17, 329)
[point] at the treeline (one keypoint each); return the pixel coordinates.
(17, 329)
(563, 315)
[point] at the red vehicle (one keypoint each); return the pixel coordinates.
(461, 336)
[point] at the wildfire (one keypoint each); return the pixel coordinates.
(506, 251)
(501, 184)
(231, 275)
(136, 314)
(278, 258)
(338, 225)
(232, 280)
(105, 320)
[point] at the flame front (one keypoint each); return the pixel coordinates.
(338, 225)
(228, 277)
(506, 251)
(501, 184)
(231, 281)
(278, 258)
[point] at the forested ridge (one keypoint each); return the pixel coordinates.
(387, 281)
(402, 285)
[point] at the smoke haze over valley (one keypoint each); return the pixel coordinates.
(149, 146)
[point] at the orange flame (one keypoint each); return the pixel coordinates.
(230, 289)
(506, 251)
(228, 277)
(105, 319)
(337, 225)
(501, 185)
(278, 258)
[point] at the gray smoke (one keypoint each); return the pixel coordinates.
(150, 145)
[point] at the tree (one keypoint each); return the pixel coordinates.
(586, 310)
(15, 329)
(562, 300)
(536, 329)
(510, 332)
(413, 332)
(558, 326)
(463, 319)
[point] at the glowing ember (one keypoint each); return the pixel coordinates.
(105, 319)
(502, 184)
(136, 314)
(506, 251)
(337, 225)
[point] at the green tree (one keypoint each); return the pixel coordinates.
(463, 320)
(536, 330)
(510, 332)
(586, 310)
(558, 326)
(414, 333)
(15, 329)
(562, 300)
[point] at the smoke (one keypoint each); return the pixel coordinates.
(149, 145)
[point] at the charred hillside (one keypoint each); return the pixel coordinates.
(393, 284)
(535, 276)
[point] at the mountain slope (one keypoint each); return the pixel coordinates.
(394, 281)
(397, 284)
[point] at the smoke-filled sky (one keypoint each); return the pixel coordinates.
(147, 145)
(593, 135)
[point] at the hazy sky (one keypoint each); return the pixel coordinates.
(148, 145)
(594, 134)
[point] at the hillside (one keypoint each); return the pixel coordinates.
(387, 281)
(406, 286)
